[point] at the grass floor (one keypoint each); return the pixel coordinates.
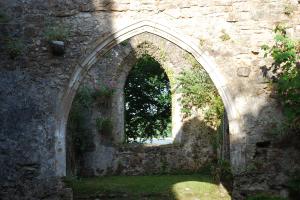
(164, 187)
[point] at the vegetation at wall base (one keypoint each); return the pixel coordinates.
(265, 197)
(286, 55)
(221, 171)
(294, 186)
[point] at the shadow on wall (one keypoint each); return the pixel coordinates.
(90, 62)
(272, 154)
(192, 153)
(83, 141)
(30, 87)
(253, 140)
(191, 156)
(33, 81)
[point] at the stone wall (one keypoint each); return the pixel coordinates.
(106, 155)
(143, 160)
(138, 159)
(37, 88)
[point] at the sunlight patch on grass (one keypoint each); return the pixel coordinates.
(167, 187)
(194, 190)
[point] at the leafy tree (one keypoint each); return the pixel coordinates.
(147, 101)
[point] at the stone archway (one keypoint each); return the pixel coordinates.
(161, 50)
(237, 153)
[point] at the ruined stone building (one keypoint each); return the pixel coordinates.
(105, 37)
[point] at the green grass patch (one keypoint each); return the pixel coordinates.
(167, 187)
(265, 197)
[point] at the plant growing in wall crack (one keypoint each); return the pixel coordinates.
(57, 35)
(288, 9)
(14, 47)
(104, 126)
(103, 95)
(3, 17)
(286, 81)
(224, 37)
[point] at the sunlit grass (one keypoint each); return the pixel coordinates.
(166, 187)
(193, 190)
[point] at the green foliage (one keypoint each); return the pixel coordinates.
(103, 95)
(57, 32)
(202, 42)
(171, 78)
(221, 171)
(294, 186)
(104, 92)
(166, 187)
(189, 57)
(125, 42)
(216, 139)
(285, 54)
(265, 197)
(77, 124)
(198, 91)
(224, 36)
(148, 101)
(84, 97)
(104, 126)
(288, 9)
(3, 17)
(14, 47)
(162, 55)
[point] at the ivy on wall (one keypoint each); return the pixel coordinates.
(286, 81)
(200, 95)
(198, 91)
(77, 123)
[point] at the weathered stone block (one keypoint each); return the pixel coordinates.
(243, 71)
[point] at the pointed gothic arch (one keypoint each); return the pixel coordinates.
(103, 46)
